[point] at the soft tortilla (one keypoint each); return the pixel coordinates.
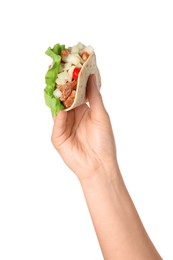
(89, 68)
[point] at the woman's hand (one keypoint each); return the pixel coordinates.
(83, 136)
(84, 139)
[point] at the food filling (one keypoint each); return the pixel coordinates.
(71, 62)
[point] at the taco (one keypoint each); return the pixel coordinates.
(67, 76)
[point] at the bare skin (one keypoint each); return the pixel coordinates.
(84, 139)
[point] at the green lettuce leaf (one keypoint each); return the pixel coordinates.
(53, 102)
(50, 78)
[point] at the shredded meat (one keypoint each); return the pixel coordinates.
(85, 55)
(69, 101)
(65, 52)
(66, 91)
(73, 84)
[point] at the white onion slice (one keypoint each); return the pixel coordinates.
(71, 58)
(57, 93)
(80, 46)
(88, 49)
(70, 72)
(66, 66)
(63, 77)
(75, 49)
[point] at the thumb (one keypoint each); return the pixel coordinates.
(94, 96)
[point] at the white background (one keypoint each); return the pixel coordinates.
(43, 214)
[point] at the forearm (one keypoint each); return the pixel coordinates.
(118, 227)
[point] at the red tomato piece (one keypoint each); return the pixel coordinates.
(76, 73)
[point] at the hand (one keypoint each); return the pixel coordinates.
(83, 136)
(84, 139)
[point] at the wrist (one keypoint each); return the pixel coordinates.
(103, 176)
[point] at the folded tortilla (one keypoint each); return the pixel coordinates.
(88, 68)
